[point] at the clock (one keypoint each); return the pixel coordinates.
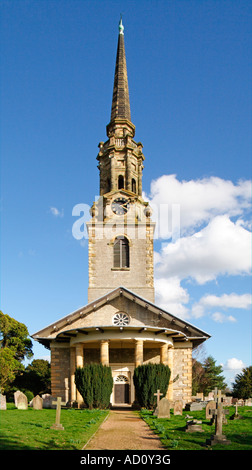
(120, 205)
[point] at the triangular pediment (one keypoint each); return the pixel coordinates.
(122, 309)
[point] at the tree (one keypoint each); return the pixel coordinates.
(36, 377)
(14, 335)
(148, 379)
(15, 346)
(198, 373)
(242, 386)
(95, 383)
(212, 376)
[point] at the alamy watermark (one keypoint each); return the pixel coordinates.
(135, 220)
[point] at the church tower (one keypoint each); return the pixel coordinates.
(120, 231)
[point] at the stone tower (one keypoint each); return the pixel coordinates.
(120, 231)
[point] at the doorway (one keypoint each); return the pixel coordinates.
(121, 390)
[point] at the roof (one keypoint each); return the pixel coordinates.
(179, 329)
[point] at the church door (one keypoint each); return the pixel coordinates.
(121, 390)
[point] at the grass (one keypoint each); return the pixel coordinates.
(173, 436)
(30, 429)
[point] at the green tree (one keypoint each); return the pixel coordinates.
(197, 377)
(148, 378)
(95, 383)
(36, 377)
(242, 386)
(14, 335)
(212, 376)
(15, 346)
(9, 367)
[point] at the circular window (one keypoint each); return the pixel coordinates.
(121, 319)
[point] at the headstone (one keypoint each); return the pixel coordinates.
(218, 437)
(37, 403)
(163, 408)
(248, 402)
(194, 426)
(22, 402)
(47, 400)
(57, 424)
(3, 402)
(16, 395)
(236, 415)
(227, 401)
(178, 407)
(158, 395)
(211, 405)
(200, 396)
(195, 406)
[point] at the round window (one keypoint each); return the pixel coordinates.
(121, 319)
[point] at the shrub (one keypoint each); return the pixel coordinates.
(95, 383)
(147, 380)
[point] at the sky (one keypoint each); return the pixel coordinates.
(189, 72)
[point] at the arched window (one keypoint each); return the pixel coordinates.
(121, 252)
(120, 182)
(133, 185)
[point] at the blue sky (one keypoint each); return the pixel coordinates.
(189, 71)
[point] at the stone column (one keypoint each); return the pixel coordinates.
(138, 352)
(164, 354)
(79, 363)
(169, 394)
(72, 371)
(105, 352)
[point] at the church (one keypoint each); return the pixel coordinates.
(120, 326)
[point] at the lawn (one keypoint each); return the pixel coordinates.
(172, 431)
(30, 429)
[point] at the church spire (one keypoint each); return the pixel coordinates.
(120, 102)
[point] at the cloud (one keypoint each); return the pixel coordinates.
(221, 318)
(198, 200)
(171, 296)
(234, 364)
(56, 212)
(222, 247)
(227, 301)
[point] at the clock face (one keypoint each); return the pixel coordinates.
(120, 205)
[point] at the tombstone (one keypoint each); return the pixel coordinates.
(200, 396)
(57, 424)
(3, 402)
(47, 400)
(236, 415)
(16, 395)
(227, 401)
(158, 395)
(178, 407)
(194, 426)
(163, 409)
(37, 403)
(248, 402)
(211, 405)
(22, 402)
(218, 437)
(195, 406)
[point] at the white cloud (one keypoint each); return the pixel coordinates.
(234, 364)
(227, 301)
(56, 212)
(222, 247)
(171, 296)
(221, 318)
(199, 201)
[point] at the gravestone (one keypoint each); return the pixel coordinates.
(158, 395)
(211, 405)
(22, 402)
(195, 406)
(248, 402)
(218, 437)
(47, 400)
(236, 415)
(37, 403)
(16, 395)
(194, 426)
(3, 402)
(163, 409)
(178, 407)
(57, 424)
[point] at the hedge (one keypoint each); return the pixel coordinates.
(95, 383)
(147, 380)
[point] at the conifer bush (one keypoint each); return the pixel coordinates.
(95, 383)
(148, 379)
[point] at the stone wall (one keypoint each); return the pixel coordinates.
(182, 371)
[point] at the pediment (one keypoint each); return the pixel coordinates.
(103, 312)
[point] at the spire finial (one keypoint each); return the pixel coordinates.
(121, 27)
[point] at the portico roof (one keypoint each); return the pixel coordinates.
(170, 326)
